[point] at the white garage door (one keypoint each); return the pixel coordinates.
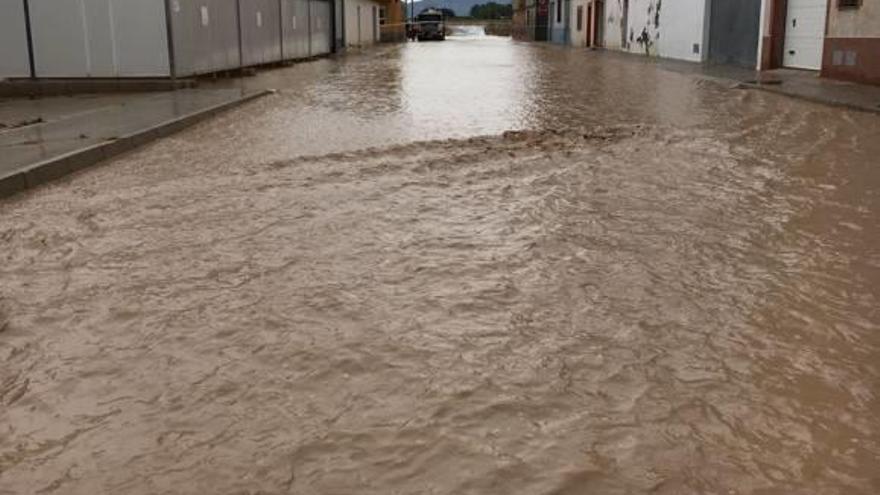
(804, 33)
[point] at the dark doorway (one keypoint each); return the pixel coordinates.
(624, 25)
(589, 22)
(734, 31)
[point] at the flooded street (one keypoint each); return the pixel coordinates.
(469, 267)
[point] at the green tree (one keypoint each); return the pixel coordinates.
(492, 10)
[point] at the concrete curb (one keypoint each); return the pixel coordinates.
(61, 165)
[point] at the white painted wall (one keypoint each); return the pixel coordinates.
(672, 34)
(612, 31)
(863, 22)
(578, 38)
(684, 23)
(359, 29)
(644, 31)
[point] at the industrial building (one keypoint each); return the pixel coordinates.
(173, 38)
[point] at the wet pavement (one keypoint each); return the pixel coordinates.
(35, 130)
(802, 84)
(657, 283)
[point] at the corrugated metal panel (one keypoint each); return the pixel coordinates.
(141, 38)
(321, 30)
(13, 40)
(295, 22)
(735, 26)
(59, 38)
(339, 23)
(260, 31)
(205, 36)
(99, 38)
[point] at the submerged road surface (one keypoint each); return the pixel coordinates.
(652, 283)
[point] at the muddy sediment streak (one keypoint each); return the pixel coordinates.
(611, 310)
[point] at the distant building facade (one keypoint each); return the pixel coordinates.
(559, 11)
(836, 38)
(362, 22)
(392, 20)
(530, 20)
(519, 22)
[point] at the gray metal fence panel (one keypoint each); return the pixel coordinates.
(14, 61)
(295, 28)
(225, 47)
(99, 38)
(321, 29)
(204, 36)
(141, 37)
(59, 38)
(260, 31)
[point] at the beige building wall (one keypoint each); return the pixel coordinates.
(861, 22)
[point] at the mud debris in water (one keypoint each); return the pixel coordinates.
(680, 300)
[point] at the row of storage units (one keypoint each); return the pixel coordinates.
(157, 38)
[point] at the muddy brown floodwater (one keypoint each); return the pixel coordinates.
(654, 283)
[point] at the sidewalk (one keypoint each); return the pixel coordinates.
(806, 85)
(46, 138)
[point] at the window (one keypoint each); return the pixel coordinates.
(580, 18)
(849, 4)
(558, 11)
(381, 16)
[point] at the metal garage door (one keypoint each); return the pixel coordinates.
(734, 31)
(804, 33)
